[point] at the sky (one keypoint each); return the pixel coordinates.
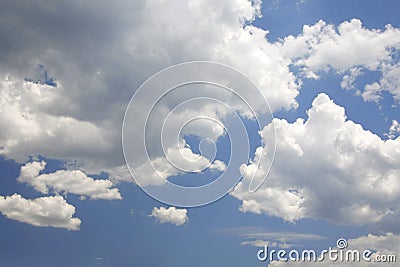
(195, 133)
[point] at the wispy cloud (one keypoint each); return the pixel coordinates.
(259, 237)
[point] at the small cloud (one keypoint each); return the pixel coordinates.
(394, 130)
(262, 243)
(171, 215)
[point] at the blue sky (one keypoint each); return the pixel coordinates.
(69, 70)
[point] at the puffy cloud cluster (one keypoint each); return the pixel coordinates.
(80, 118)
(171, 215)
(350, 48)
(323, 46)
(67, 181)
(326, 167)
(92, 59)
(44, 211)
(97, 56)
(54, 210)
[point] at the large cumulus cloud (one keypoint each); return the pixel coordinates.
(326, 167)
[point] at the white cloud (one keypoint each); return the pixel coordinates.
(119, 173)
(30, 129)
(393, 130)
(348, 47)
(123, 44)
(389, 81)
(323, 46)
(372, 92)
(327, 167)
(44, 211)
(262, 243)
(385, 243)
(81, 117)
(259, 237)
(171, 215)
(274, 201)
(68, 181)
(160, 168)
(349, 79)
